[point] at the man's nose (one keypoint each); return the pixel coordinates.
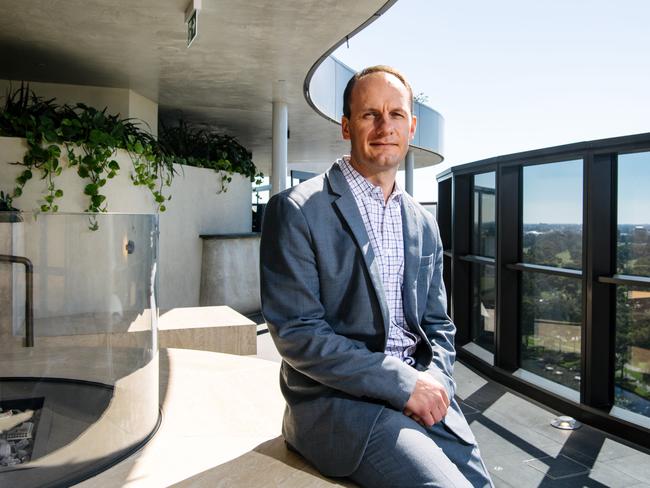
(384, 124)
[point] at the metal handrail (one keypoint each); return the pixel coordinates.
(29, 294)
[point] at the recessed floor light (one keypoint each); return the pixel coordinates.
(564, 422)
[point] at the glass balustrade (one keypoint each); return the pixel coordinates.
(78, 348)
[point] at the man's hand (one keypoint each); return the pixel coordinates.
(428, 402)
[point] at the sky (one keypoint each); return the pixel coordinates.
(509, 76)
(563, 180)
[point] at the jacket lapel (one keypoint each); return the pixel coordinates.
(412, 246)
(349, 210)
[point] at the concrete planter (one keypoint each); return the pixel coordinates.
(230, 273)
(197, 207)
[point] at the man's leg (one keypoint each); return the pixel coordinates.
(467, 458)
(401, 453)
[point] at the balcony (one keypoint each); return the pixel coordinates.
(546, 256)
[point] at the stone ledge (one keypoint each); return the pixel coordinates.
(216, 329)
(222, 417)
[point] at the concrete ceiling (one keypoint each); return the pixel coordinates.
(246, 54)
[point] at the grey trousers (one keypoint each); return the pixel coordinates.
(402, 453)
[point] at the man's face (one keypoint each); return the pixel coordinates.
(380, 124)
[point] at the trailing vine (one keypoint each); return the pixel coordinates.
(90, 138)
(6, 203)
(220, 152)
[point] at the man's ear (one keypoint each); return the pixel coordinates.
(414, 123)
(345, 128)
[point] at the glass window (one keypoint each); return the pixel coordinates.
(552, 214)
(633, 246)
(483, 306)
(632, 366)
(484, 230)
(443, 212)
(551, 314)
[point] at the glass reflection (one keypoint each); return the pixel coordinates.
(484, 230)
(551, 314)
(632, 364)
(552, 214)
(633, 246)
(483, 306)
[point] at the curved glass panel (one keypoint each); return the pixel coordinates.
(632, 365)
(485, 228)
(78, 348)
(552, 214)
(551, 317)
(483, 306)
(633, 246)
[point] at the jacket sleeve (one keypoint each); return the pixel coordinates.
(290, 293)
(437, 325)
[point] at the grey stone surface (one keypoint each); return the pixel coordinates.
(611, 477)
(637, 466)
(558, 467)
(230, 274)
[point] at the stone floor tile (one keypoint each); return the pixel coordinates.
(636, 466)
(558, 467)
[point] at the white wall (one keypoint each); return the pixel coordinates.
(123, 101)
(196, 208)
(145, 110)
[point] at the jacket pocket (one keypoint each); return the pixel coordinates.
(426, 261)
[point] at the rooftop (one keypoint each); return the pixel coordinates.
(206, 441)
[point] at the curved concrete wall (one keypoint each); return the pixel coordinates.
(196, 208)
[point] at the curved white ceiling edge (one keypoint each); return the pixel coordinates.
(323, 90)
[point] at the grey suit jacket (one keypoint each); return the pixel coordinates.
(323, 301)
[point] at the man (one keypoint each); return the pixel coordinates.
(351, 273)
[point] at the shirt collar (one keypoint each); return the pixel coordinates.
(361, 186)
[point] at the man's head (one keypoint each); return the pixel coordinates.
(378, 118)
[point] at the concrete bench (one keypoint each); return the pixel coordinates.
(221, 427)
(216, 329)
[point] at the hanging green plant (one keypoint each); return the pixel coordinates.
(222, 153)
(90, 138)
(6, 203)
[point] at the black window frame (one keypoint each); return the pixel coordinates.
(598, 274)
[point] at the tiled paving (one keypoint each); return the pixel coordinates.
(522, 450)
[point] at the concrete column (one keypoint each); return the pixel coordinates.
(279, 158)
(408, 173)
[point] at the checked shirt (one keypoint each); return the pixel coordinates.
(383, 223)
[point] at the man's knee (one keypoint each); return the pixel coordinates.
(400, 452)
